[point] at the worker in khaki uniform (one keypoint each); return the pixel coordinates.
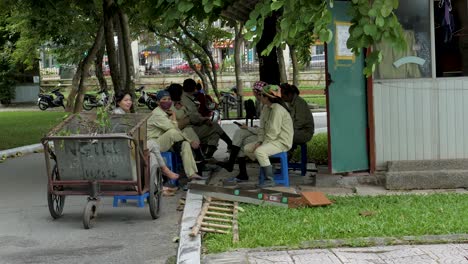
(243, 136)
(303, 119)
(208, 132)
(163, 129)
(275, 134)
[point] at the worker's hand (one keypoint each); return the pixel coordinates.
(178, 105)
(172, 115)
(257, 145)
(244, 126)
(195, 144)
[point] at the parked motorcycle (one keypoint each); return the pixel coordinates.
(47, 100)
(90, 100)
(148, 99)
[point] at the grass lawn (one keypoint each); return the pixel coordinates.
(388, 216)
(25, 128)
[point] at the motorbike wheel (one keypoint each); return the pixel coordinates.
(151, 104)
(42, 105)
(87, 105)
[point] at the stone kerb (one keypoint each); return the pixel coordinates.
(427, 174)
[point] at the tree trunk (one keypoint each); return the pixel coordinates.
(86, 64)
(213, 79)
(237, 65)
(75, 83)
(127, 48)
(120, 50)
(282, 66)
(295, 65)
(109, 11)
(75, 98)
(98, 67)
(269, 68)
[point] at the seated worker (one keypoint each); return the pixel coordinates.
(243, 136)
(274, 135)
(208, 132)
(207, 104)
(301, 115)
(163, 129)
(123, 103)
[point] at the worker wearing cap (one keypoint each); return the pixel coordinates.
(162, 127)
(242, 137)
(274, 135)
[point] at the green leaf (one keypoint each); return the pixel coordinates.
(208, 7)
(370, 29)
(372, 12)
(184, 6)
(276, 5)
(325, 35)
(386, 9)
(395, 4)
(357, 31)
(379, 21)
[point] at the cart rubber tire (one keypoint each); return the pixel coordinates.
(155, 195)
(89, 214)
(43, 107)
(87, 105)
(55, 202)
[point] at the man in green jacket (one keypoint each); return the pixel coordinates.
(303, 119)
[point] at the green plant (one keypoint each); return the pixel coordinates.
(317, 149)
(7, 89)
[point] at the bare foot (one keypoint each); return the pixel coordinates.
(171, 175)
(197, 177)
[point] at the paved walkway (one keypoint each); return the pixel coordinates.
(410, 254)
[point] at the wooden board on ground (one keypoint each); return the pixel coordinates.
(316, 198)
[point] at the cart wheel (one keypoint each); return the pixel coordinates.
(154, 199)
(55, 202)
(89, 214)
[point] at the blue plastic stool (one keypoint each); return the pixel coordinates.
(171, 163)
(283, 176)
(140, 199)
(303, 164)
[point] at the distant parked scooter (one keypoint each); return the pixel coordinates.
(147, 99)
(90, 101)
(45, 101)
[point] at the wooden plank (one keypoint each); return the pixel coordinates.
(218, 214)
(212, 230)
(198, 223)
(443, 122)
(215, 208)
(241, 199)
(235, 225)
(402, 112)
(206, 224)
(222, 204)
(218, 219)
(410, 119)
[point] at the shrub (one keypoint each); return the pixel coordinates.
(317, 149)
(7, 89)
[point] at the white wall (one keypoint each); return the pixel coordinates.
(418, 119)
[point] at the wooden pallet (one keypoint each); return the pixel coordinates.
(218, 216)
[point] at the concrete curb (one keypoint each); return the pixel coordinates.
(23, 150)
(189, 251)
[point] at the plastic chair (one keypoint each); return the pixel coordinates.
(168, 157)
(303, 164)
(123, 198)
(283, 176)
(171, 163)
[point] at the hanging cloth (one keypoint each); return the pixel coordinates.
(448, 23)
